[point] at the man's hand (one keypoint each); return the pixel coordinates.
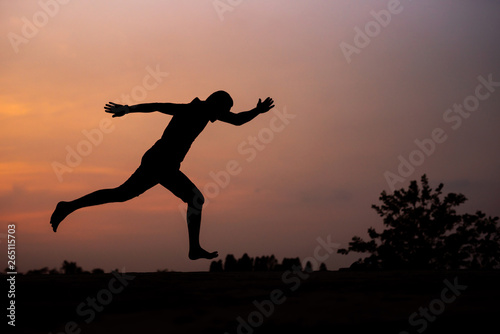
(265, 106)
(116, 109)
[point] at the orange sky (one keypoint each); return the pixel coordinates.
(314, 175)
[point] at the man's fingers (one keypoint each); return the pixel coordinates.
(111, 105)
(266, 105)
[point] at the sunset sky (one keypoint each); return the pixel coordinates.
(357, 84)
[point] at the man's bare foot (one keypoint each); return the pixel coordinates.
(59, 214)
(200, 253)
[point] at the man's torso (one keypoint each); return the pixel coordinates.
(180, 133)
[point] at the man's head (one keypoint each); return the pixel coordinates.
(219, 102)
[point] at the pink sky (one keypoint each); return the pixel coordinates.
(317, 173)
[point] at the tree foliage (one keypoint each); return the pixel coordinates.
(262, 263)
(70, 268)
(424, 231)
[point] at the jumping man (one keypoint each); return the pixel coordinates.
(161, 163)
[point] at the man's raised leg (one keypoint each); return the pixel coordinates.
(133, 187)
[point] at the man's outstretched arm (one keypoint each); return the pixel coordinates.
(247, 116)
(119, 110)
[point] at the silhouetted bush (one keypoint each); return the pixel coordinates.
(70, 268)
(216, 266)
(44, 270)
(290, 264)
(245, 263)
(263, 263)
(308, 267)
(231, 264)
(66, 268)
(425, 232)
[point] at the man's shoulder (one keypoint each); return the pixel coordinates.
(196, 101)
(196, 108)
(197, 105)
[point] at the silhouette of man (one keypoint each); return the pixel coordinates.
(161, 163)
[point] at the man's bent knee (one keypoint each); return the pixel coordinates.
(196, 201)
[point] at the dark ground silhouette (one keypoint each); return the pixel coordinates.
(161, 163)
(331, 301)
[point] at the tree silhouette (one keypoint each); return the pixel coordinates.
(216, 266)
(262, 263)
(230, 264)
(290, 264)
(308, 267)
(265, 263)
(424, 231)
(245, 263)
(322, 267)
(66, 268)
(42, 271)
(70, 268)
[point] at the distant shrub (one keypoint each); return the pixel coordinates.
(262, 263)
